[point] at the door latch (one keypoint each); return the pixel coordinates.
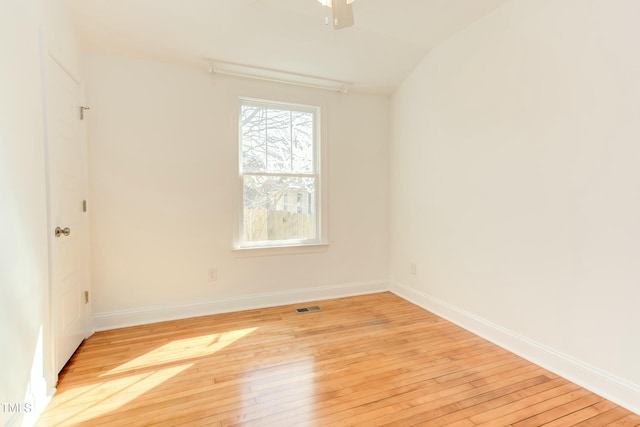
(82, 108)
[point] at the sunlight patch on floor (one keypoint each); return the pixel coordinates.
(113, 394)
(182, 349)
(112, 390)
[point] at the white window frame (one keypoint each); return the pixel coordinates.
(321, 233)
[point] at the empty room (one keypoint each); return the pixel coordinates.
(320, 213)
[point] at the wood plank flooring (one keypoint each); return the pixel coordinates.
(370, 360)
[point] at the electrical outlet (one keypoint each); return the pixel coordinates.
(412, 268)
(213, 274)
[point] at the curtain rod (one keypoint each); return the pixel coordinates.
(213, 71)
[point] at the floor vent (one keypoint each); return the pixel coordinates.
(308, 309)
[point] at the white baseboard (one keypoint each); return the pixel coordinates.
(610, 387)
(38, 397)
(145, 315)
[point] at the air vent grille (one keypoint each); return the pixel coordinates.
(308, 309)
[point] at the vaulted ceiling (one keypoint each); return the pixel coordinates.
(388, 40)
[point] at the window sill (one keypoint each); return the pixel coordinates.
(280, 250)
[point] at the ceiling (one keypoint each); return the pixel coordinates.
(388, 40)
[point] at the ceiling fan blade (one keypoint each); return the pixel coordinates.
(342, 14)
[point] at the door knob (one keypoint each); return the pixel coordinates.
(59, 231)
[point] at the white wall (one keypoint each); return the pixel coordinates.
(23, 243)
(515, 183)
(26, 369)
(60, 37)
(162, 175)
(26, 356)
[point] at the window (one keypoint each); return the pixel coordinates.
(280, 174)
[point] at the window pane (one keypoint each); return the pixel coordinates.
(278, 141)
(279, 208)
(302, 142)
(253, 139)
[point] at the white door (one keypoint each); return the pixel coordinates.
(68, 219)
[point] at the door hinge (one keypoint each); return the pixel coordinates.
(86, 297)
(84, 206)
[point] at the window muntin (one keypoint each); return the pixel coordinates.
(279, 171)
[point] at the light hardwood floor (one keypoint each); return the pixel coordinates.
(367, 360)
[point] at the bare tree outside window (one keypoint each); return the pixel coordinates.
(279, 173)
